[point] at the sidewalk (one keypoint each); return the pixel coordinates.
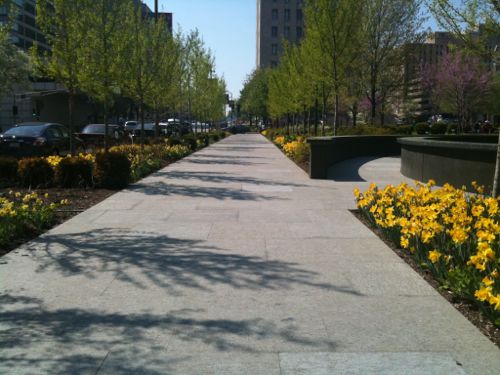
(231, 261)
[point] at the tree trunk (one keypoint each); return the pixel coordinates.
(496, 180)
(304, 121)
(106, 127)
(354, 114)
(373, 100)
(316, 119)
(336, 117)
(71, 106)
(308, 122)
(157, 124)
(141, 110)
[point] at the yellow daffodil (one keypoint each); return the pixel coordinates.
(434, 256)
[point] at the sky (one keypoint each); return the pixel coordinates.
(228, 28)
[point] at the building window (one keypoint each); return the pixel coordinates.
(300, 16)
(287, 31)
(274, 31)
(274, 49)
(287, 15)
(300, 32)
(274, 14)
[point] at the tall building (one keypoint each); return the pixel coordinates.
(277, 21)
(25, 33)
(44, 101)
(430, 53)
(23, 103)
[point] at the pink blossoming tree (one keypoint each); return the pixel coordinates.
(458, 84)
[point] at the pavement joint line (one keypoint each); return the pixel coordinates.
(102, 363)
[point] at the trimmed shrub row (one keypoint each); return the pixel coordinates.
(113, 170)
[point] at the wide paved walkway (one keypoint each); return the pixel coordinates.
(229, 262)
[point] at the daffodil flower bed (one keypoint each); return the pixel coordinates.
(453, 234)
(295, 147)
(24, 214)
(149, 159)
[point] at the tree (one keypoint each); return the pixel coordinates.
(467, 16)
(254, 95)
(388, 26)
(459, 84)
(143, 60)
(333, 26)
(166, 67)
(102, 57)
(60, 20)
(14, 63)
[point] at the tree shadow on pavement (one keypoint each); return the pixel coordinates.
(221, 161)
(209, 155)
(224, 177)
(148, 259)
(78, 341)
(163, 188)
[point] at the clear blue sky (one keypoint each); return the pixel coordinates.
(228, 28)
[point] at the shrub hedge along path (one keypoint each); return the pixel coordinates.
(230, 261)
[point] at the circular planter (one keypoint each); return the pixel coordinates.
(457, 160)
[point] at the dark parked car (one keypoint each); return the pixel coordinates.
(93, 134)
(177, 127)
(37, 139)
(238, 129)
(130, 126)
(149, 131)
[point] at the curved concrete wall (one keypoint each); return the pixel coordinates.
(326, 151)
(446, 160)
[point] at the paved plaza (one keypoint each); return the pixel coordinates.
(231, 261)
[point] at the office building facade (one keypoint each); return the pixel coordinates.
(25, 32)
(44, 101)
(277, 21)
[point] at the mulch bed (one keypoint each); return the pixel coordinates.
(79, 201)
(468, 310)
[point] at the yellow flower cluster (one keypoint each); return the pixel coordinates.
(280, 140)
(54, 160)
(446, 227)
(21, 213)
(297, 150)
(7, 208)
(89, 157)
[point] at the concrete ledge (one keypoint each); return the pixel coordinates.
(326, 151)
(457, 160)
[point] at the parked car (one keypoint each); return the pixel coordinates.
(149, 131)
(130, 126)
(93, 134)
(177, 127)
(37, 139)
(238, 129)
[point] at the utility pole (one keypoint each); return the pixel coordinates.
(156, 10)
